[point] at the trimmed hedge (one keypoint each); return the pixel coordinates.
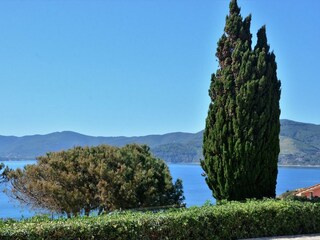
(228, 221)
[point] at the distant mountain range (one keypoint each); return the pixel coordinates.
(299, 143)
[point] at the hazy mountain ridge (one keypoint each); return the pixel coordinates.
(299, 143)
(29, 147)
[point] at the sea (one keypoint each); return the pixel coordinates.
(196, 191)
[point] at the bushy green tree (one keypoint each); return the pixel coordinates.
(241, 137)
(101, 178)
(136, 179)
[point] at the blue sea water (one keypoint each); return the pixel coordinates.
(195, 189)
(9, 207)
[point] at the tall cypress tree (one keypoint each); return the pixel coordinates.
(241, 138)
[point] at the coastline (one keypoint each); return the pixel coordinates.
(299, 166)
(188, 163)
(279, 165)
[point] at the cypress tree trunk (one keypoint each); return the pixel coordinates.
(241, 138)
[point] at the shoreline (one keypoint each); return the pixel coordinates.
(299, 166)
(187, 163)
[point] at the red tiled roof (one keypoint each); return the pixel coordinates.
(308, 189)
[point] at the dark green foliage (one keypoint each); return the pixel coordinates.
(100, 178)
(1, 172)
(228, 221)
(179, 152)
(241, 138)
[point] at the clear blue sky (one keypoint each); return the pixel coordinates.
(139, 67)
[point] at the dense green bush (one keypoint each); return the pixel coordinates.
(104, 178)
(228, 221)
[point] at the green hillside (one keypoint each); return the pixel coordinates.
(299, 143)
(29, 147)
